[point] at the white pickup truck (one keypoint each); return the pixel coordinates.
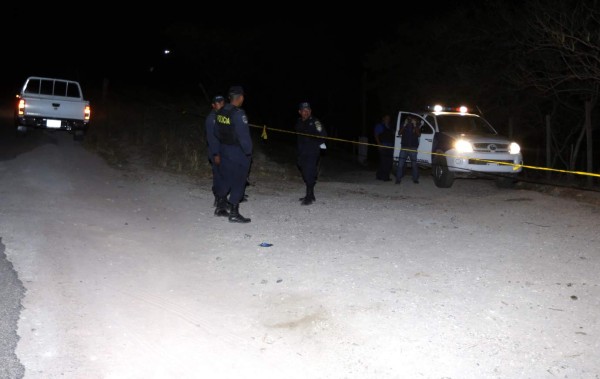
(50, 103)
(456, 143)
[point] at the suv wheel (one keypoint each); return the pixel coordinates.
(442, 177)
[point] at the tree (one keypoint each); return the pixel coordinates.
(559, 56)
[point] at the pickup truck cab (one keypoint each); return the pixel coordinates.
(456, 143)
(50, 103)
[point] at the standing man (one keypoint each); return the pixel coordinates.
(213, 144)
(235, 152)
(384, 137)
(410, 134)
(309, 131)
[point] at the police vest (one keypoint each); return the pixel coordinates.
(224, 128)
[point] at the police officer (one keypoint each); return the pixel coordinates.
(235, 152)
(213, 143)
(309, 131)
(384, 137)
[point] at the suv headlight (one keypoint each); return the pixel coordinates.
(514, 148)
(463, 146)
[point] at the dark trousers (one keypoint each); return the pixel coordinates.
(234, 169)
(412, 153)
(386, 162)
(217, 177)
(309, 167)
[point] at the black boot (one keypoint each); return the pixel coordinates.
(310, 196)
(304, 197)
(221, 209)
(235, 215)
(216, 202)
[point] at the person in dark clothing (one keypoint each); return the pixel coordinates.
(309, 131)
(384, 137)
(410, 133)
(235, 150)
(213, 143)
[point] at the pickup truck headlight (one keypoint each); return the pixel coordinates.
(514, 148)
(463, 146)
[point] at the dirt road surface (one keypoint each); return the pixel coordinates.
(129, 275)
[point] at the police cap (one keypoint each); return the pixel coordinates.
(218, 99)
(303, 105)
(236, 90)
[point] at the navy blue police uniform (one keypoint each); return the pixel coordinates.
(233, 133)
(213, 146)
(309, 151)
(385, 134)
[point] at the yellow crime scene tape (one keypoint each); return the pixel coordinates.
(515, 166)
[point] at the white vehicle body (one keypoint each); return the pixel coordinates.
(460, 144)
(50, 103)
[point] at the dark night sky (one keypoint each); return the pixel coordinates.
(280, 60)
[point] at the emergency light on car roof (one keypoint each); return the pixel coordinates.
(438, 108)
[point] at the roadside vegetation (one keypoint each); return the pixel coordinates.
(166, 131)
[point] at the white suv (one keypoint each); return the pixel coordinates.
(455, 143)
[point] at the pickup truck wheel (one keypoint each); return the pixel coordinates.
(20, 131)
(78, 135)
(442, 177)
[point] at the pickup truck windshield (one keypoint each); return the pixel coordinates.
(454, 123)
